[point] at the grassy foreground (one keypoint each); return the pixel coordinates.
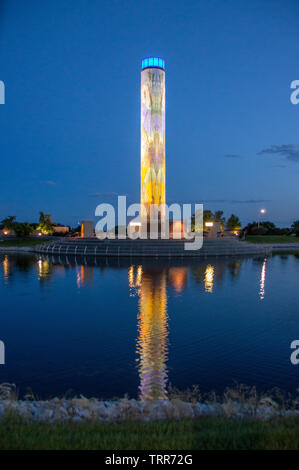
(271, 239)
(22, 242)
(208, 433)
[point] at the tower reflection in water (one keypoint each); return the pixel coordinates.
(152, 348)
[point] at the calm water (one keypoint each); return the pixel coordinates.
(106, 327)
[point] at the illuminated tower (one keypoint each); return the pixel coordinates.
(152, 135)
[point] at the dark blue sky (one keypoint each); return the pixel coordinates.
(70, 132)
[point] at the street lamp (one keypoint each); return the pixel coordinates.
(262, 211)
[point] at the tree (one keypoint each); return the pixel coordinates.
(233, 223)
(268, 225)
(45, 217)
(266, 228)
(8, 223)
(219, 216)
(259, 230)
(295, 227)
(45, 225)
(208, 216)
(22, 229)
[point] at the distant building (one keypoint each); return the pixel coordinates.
(59, 229)
(215, 230)
(87, 229)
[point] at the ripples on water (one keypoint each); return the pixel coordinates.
(106, 327)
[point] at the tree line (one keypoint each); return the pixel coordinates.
(269, 228)
(25, 229)
(233, 223)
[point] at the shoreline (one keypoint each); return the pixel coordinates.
(266, 249)
(86, 409)
(17, 249)
(174, 249)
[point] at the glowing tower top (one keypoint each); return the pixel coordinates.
(153, 62)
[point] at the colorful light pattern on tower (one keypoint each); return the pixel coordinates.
(152, 134)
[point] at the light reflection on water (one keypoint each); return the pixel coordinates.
(152, 335)
(160, 292)
(209, 277)
(263, 280)
(5, 264)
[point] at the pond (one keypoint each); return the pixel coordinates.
(110, 327)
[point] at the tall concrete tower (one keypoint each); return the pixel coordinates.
(152, 135)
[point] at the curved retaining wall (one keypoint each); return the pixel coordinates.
(152, 248)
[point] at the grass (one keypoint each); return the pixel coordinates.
(22, 242)
(206, 433)
(271, 239)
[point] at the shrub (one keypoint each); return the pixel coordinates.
(258, 230)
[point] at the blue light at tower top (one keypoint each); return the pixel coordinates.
(153, 62)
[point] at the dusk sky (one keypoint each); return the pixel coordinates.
(70, 126)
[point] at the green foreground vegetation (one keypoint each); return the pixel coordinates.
(283, 253)
(206, 433)
(22, 242)
(271, 239)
